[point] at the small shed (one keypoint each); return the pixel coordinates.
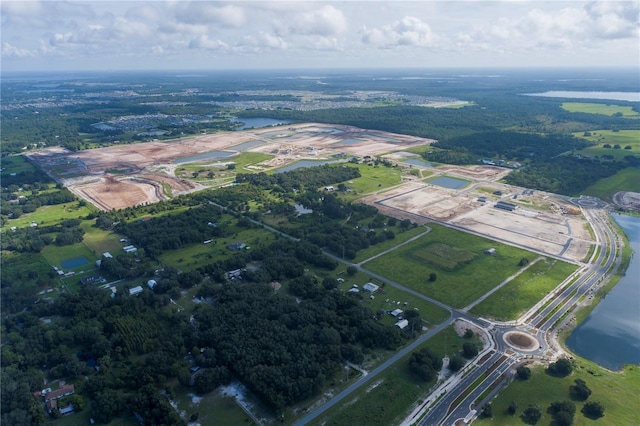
(396, 312)
(135, 290)
(490, 251)
(370, 287)
(402, 324)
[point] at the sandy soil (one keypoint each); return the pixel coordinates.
(127, 175)
(627, 200)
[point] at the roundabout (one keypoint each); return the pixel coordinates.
(521, 341)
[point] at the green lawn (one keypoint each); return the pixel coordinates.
(197, 255)
(601, 137)
(56, 254)
(212, 408)
(618, 393)
(464, 272)
(625, 180)
(50, 215)
(16, 164)
(388, 398)
(524, 291)
(372, 178)
(594, 108)
(99, 240)
(386, 245)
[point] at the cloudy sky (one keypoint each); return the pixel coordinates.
(83, 35)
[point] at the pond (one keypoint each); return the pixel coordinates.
(609, 335)
(211, 155)
(304, 163)
(256, 123)
(74, 262)
(418, 162)
(449, 182)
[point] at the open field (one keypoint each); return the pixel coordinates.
(540, 221)
(390, 397)
(127, 175)
(464, 272)
(49, 215)
(625, 180)
(623, 138)
(56, 255)
(616, 391)
(524, 291)
(400, 238)
(212, 408)
(593, 108)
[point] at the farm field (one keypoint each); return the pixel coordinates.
(596, 108)
(622, 137)
(524, 291)
(400, 238)
(616, 391)
(57, 255)
(464, 271)
(625, 180)
(50, 215)
(391, 396)
(373, 178)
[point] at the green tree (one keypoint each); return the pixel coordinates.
(486, 412)
(532, 414)
(593, 410)
(469, 350)
(523, 372)
(456, 362)
(352, 270)
(468, 333)
(433, 276)
(513, 407)
(560, 368)
(580, 390)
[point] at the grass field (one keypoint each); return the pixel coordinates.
(56, 254)
(623, 138)
(199, 254)
(26, 270)
(524, 291)
(15, 164)
(457, 284)
(625, 180)
(386, 245)
(594, 108)
(50, 215)
(618, 393)
(99, 240)
(212, 408)
(390, 397)
(373, 178)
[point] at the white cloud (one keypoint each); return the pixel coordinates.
(210, 14)
(204, 42)
(408, 31)
(325, 22)
(265, 40)
(15, 52)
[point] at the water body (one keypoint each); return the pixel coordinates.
(616, 96)
(449, 182)
(211, 155)
(256, 123)
(304, 163)
(610, 335)
(74, 262)
(418, 162)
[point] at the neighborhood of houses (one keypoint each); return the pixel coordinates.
(50, 398)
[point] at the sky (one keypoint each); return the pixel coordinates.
(185, 35)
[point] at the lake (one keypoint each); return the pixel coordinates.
(610, 335)
(449, 182)
(615, 96)
(256, 123)
(418, 162)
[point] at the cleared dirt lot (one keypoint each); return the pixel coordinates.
(540, 221)
(127, 175)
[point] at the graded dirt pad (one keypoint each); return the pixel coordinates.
(540, 222)
(627, 200)
(127, 175)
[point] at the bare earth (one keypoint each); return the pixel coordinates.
(627, 200)
(127, 175)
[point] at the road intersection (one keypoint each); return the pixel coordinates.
(457, 399)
